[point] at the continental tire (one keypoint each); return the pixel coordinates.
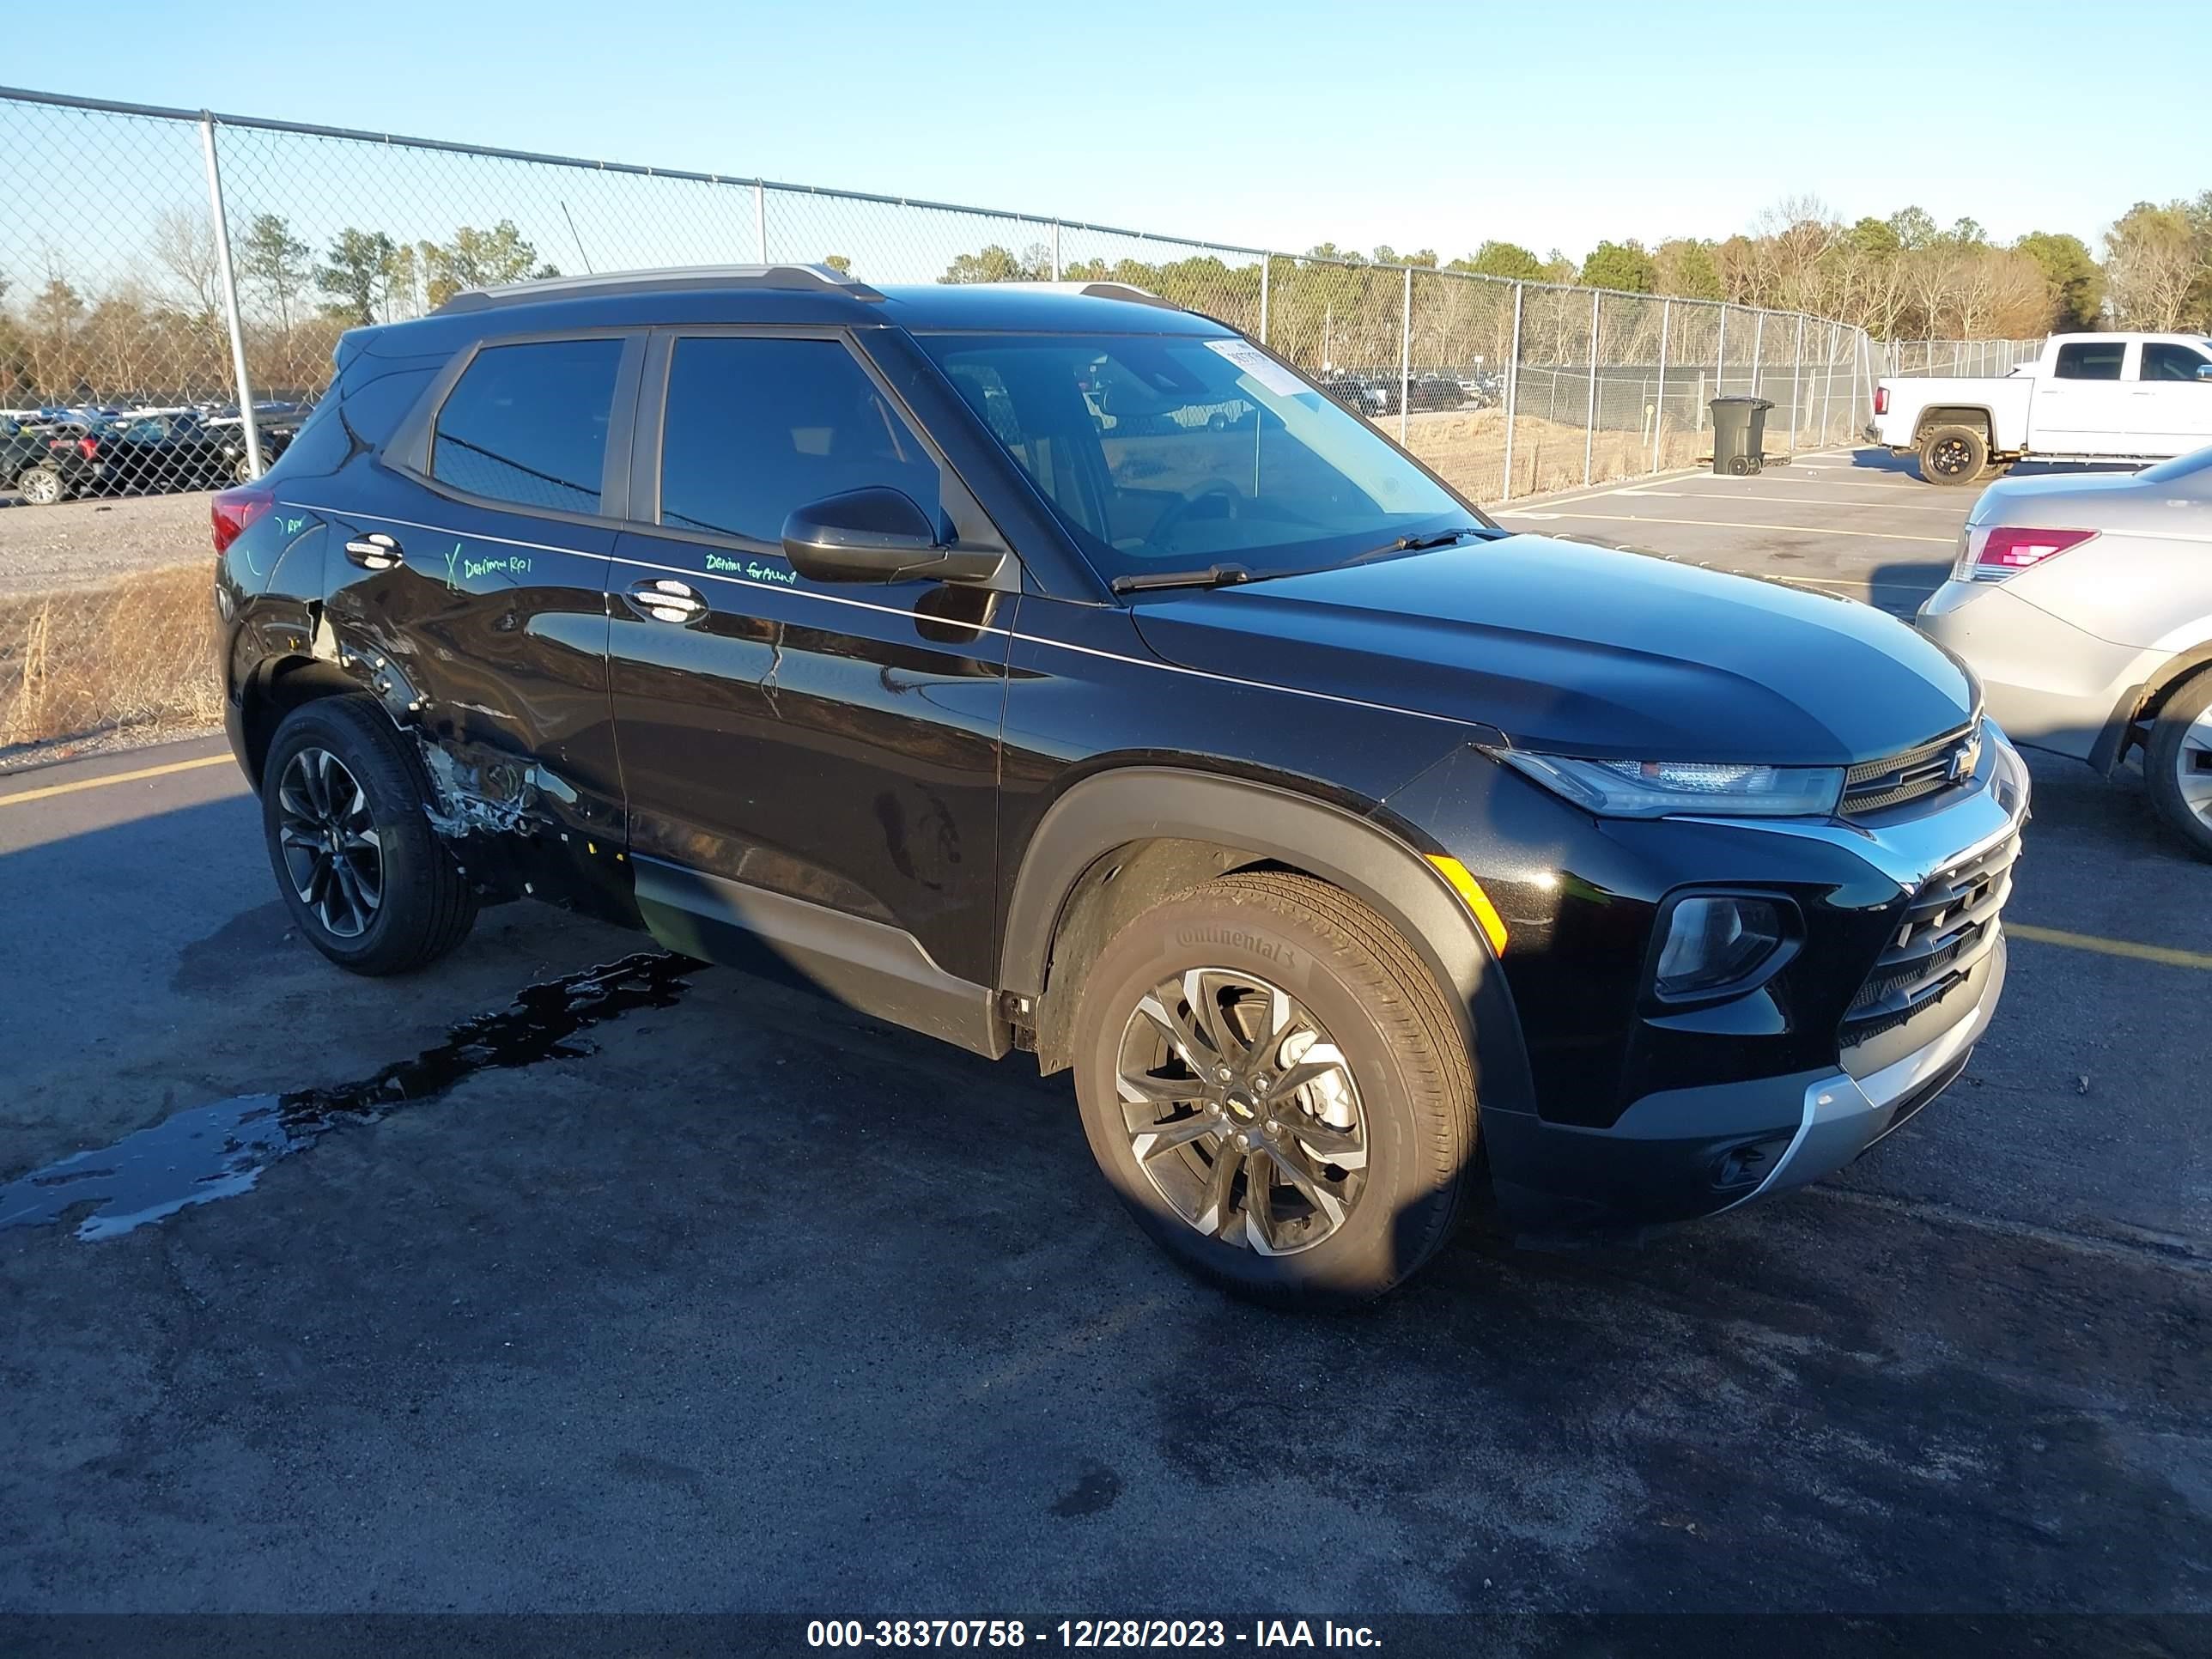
(1272, 1083)
(369, 883)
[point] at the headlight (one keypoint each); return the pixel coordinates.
(1658, 789)
(1718, 941)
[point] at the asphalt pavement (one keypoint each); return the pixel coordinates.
(711, 1296)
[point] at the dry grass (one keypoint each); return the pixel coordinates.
(1469, 450)
(137, 652)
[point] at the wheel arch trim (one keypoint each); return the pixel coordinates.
(1135, 802)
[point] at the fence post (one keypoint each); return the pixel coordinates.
(1590, 409)
(1405, 353)
(1827, 383)
(1659, 404)
(1512, 387)
(1797, 370)
(1055, 250)
(247, 425)
(760, 221)
(1720, 356)
(1266, 262)
(1758, 341)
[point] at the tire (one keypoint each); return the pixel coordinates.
(41, 486)
(1394, 1071)
(1952, 455)
(242, 472)
(338, 768)
(2178, 763)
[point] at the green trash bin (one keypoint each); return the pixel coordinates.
(1738, 434)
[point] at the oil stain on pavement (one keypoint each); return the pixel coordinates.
(219, 1150)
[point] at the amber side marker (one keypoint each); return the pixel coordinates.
(1477, 901)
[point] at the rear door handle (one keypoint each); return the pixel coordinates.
(665, 600)
(375, 552)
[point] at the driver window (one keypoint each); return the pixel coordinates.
(2162, 360)
(756, 426)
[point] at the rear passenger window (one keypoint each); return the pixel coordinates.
(2090, 360)
(755, 428)
(2162, 360)
(528, 424)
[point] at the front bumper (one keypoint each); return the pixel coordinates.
(1681, 1152)
(2049, 683)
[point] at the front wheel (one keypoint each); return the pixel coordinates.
(41, 486)
(1273, 1086)
(1953, 455)
(2177, 764)
(367, 881)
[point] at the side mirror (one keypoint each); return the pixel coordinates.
(879, 535)
(2205, 371)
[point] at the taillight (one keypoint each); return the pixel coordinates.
(87, 447)
(1881, 400)
(232, 510)
(1993, 552)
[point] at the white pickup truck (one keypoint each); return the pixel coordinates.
(2089, 397)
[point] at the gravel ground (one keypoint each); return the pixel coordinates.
(83, 543)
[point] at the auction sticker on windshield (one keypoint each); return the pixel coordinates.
(1270, 374)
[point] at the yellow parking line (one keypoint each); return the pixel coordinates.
(2110, 947)
(1733, 524)
(53, 789)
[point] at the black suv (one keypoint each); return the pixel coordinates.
(933, 646)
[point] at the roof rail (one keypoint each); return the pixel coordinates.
(820, 279)
(1128, 291)
(1125, 291)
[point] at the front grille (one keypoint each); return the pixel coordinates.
(1949, 926)
(1877, 785)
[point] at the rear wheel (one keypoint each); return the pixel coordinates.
(368, 883)
(1953, 455)
(2177, 765)
(1272, 1085)
(41, 485)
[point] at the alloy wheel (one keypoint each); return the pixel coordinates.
(1950, 457)
(332, 852)
(2192, 767)
(1242, 1111)
(41, 486)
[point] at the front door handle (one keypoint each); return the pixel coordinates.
(375, 552)
(663, 599)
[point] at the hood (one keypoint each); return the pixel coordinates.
(1582, 650)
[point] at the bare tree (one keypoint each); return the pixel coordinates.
(2153, 258)
(183, 242)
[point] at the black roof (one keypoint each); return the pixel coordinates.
(813, 293)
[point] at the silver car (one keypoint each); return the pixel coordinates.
(2083, 601)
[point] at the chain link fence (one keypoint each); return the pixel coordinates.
(1959, 357)
(172, 284)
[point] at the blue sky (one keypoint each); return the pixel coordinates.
(1279, 124)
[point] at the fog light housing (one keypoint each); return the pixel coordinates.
(1715, 942)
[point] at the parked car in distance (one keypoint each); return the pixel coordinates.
(31, 467)
(1363, 394)
(2088, 397)
(1431, 390)
(2083, 601)
(184, 450)
(1362, 861)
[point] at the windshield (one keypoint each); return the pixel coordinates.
(1165, 452)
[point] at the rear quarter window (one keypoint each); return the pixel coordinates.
(528, 424)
